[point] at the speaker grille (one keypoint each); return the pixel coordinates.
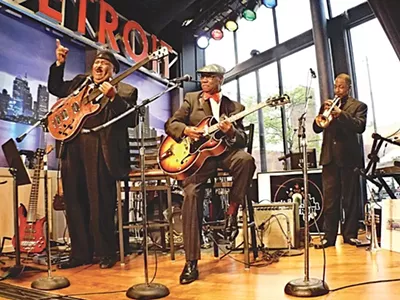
(276, 222)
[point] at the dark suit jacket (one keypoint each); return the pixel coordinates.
(340, 141)
(194, 109)
(113, 139)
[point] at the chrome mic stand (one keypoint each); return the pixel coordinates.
(306, 287)
(145, 290)
(49, 282)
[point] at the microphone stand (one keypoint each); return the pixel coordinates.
(147, 290)
(306, 287)
(49, 282)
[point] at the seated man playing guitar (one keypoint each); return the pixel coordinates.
(197, 106)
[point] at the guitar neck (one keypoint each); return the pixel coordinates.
(238, 116)
(120, 77)
(33, 200)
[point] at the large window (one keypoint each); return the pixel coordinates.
(230, 90)
(221, 52)
(248, 97)
(340, 6)
(293, 18)
(296, 77)
(272, 117)
(258, 34)
(377, 69)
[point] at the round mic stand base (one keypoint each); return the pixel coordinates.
(147, 291)
(50, 283)
(310, 288)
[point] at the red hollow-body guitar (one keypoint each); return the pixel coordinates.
(184, 158)
(69, 114)
(31, 229)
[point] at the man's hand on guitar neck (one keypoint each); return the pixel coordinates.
(226, 127)
(108, 90)
(193, 132)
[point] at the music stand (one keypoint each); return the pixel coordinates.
(20, 177)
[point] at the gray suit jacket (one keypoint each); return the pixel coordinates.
(194, 109)
(340, 142)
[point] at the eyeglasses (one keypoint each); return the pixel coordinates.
(207, 75)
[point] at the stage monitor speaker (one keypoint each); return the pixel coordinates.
(277, 221)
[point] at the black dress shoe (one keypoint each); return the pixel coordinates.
(73, 263)
(231, 228)
(351, 241)
(107, 262)
(324, 244)
(189, 273)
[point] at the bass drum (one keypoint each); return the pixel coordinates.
(292, 190)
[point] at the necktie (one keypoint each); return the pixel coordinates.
(216, 97)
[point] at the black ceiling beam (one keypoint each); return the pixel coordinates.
(166, 17)
(284, 49)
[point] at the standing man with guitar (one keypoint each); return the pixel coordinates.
(196, 106)
(92, 162)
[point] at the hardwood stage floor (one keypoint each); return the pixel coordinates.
(227, 279)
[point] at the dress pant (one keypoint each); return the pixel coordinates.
(341, 186)
(90, 198)
(241, 166)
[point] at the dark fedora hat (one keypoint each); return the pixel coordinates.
(107, 55)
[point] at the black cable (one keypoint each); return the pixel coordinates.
(323, 251)
(364, 283)
(83, 294)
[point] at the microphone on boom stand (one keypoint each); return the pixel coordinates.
(306, 286)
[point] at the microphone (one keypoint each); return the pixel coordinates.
(313, 75)
(185, 77)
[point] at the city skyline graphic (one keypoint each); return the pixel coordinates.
(27, 50)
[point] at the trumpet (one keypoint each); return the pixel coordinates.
(323, 120)
(370, 222)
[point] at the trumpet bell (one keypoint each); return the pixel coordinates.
(322, 121)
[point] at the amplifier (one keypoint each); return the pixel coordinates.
(275, 222)
(288, 187)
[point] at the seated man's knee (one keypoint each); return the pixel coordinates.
(247, 160)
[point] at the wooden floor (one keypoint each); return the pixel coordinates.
(227, 279)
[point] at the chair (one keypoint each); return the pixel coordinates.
(156, 182)
(222, 180)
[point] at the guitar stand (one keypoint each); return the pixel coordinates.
(19, 178)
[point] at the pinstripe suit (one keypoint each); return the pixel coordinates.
(239, 163)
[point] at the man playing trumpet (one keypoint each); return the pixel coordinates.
(341, 121)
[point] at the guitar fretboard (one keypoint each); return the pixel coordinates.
(33, 200)
(240, 115)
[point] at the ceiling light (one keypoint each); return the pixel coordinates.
(249, 14)
(203, 42)
(217, 33)
(270, 3)
(187, 22)
(231, 25)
